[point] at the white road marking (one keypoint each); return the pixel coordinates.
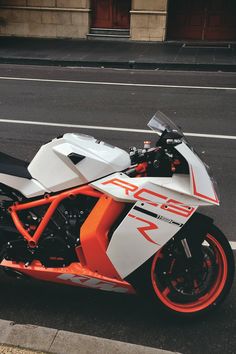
(104, 83)
(97, 127)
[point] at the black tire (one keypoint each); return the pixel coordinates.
(163, 280)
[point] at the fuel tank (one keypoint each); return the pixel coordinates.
(76, 159)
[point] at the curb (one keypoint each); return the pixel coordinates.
(132, 64)
(62, 342)
(6, 349)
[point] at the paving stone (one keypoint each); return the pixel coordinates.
(30, 337)
(73, 343)
(5, 328)
(13, 350)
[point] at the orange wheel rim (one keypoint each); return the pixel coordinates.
(204, 301)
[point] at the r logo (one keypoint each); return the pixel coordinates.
(148, 226)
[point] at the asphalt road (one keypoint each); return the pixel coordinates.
(208, 109)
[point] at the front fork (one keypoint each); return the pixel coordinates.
(186, 248)
(190, 239)
(193, 233)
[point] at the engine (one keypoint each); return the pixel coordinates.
(56, 247)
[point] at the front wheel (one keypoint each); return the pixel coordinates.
(190, 287)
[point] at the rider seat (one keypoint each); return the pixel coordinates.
(12, 166)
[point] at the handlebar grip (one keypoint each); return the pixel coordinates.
(131, 173)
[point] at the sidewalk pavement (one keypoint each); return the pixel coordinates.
(49, 340)
(14, 350)
(114, 54)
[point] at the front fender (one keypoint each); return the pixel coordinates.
(194, 232)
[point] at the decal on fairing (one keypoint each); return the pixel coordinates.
(157, 215)
(145, 229)
(151, 197)
(89, 282)
(201, 183)
(196, 192)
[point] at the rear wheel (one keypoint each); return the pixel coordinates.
(189, 287)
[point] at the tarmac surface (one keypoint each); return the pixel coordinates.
(22, 100)
(80, 96)
(114, 54)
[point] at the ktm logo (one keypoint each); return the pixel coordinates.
(89, 282)
(148, 227)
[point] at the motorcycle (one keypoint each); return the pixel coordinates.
(86, 213)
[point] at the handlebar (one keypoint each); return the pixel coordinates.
(137, 155)
(152, 162)
(142, 160)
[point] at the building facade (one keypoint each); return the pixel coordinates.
(141, 20)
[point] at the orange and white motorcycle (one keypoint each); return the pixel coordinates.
(88, 214)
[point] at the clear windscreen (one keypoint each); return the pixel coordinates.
(160, 123)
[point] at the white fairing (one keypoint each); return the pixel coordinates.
(162, 206)
(55, 171)
(30, 188)
(157, 215)
(144, 233)
(200, 181)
